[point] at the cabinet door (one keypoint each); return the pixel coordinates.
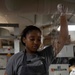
(2, 72)
(3, 61)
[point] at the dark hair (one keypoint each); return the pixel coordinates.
(72, 61)
(27, 30)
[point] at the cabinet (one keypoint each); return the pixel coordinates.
(7, 41)
(5, 44)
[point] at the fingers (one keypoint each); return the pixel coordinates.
(61, 8)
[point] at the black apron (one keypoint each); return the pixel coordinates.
(33, 70)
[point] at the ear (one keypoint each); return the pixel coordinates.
(24, 39)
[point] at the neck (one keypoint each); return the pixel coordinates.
(30, 52)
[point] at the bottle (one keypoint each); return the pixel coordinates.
(8, 54)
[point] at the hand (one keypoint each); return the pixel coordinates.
(61, 8)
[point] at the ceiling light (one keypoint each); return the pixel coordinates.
(70, 28)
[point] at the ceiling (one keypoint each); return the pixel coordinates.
(42, 13)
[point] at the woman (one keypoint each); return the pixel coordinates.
(30, 61)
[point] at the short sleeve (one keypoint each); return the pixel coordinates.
(48, 53)
(10, 66)
(13, 63)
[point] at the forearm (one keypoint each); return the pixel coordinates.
(64, 28)
(63, 34)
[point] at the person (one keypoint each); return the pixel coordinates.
(72, 72)
(31, 61)
(72, 64)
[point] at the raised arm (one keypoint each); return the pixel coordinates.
(63, 34)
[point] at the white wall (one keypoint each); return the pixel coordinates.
(67, 51)
(72, 34)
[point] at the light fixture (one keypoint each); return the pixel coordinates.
(70, 28)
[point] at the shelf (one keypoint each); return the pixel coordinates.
(6, 53)
(9, 25)
(7, 37)
(2, 68)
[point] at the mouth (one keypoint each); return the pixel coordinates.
(35, 47)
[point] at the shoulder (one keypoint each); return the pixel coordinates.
(47, 50)
(17, 56)
(48, 47)
(48, 53)
(13, 62)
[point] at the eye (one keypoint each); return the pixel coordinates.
(39, 39)
(32, 39)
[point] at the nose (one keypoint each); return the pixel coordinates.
(35, 42)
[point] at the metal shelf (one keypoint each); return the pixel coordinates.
(7, 37)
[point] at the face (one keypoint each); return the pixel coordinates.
(32, 41)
